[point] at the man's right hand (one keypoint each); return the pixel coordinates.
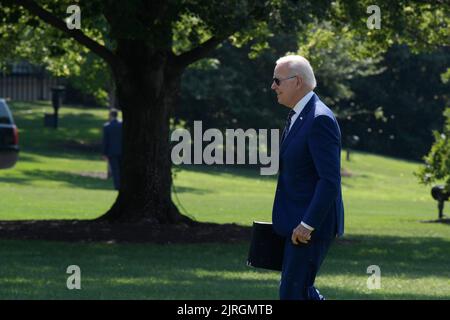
(301, 234)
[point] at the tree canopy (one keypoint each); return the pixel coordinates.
(147, 45)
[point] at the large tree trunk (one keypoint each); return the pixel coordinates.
(147, 88)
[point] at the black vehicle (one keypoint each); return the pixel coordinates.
(9, 138)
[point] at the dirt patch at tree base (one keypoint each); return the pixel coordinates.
(95, 231)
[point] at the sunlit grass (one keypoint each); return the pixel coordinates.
(384, 207)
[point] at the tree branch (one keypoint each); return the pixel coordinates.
(188, 57)
(78, 35)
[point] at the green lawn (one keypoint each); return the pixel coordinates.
(55, 179)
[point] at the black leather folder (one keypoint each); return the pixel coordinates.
(266, 247)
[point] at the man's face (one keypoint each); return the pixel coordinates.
(287, 90)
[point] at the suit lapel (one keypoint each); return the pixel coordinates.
(298, 123)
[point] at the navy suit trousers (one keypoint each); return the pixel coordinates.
(300, 266)
(114, 163)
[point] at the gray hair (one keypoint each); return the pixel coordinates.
(300, 66)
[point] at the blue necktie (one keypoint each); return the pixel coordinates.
(287, 126)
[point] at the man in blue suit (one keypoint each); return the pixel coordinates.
(112, 146)
(308, 208)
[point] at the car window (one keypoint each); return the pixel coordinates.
(5, 117)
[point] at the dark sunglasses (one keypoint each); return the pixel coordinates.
(278, 81)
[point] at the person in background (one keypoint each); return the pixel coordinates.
(112, 146)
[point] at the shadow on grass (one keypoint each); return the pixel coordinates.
(444, 221)
(78, 136)
(228, 170)
(36, 269)
(78, 180)
(18, 180)
(333, 293)
(27, 157)
(87, 180)
(246, 171)
(348, 182)
(405, 256)
(178, 189)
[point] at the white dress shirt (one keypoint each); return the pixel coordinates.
(298, 109)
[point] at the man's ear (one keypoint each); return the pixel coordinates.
(299, 82)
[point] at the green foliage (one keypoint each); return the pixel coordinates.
(337, 55)
(188, 23)
(445, 77)
(233, 89)
(26, 37)
(93, 78)
(420, 25)
(188, 31)
(407, 97)
(437, 162)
